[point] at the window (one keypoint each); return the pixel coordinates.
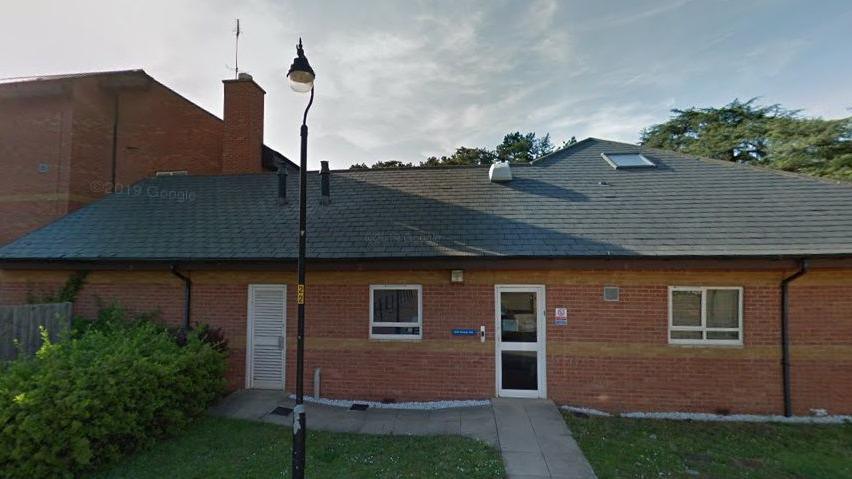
(699, 315)
(396, 311)
(627, 160)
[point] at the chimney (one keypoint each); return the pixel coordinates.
(242, 138)
(324, 183)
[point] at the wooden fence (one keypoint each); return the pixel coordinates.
(20, 334)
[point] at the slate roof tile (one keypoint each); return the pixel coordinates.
(556, 207)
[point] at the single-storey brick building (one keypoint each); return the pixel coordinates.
(603, 275)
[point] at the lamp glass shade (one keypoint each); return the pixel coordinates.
(301, 81)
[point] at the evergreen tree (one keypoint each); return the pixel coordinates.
(751, 133)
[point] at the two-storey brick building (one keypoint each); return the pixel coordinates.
(66, 140)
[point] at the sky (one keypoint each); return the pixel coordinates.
(404, 80)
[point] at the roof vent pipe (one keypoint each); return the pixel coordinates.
(282, 183)
(324, 183)
(500, 171)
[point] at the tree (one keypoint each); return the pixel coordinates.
(463, 156)
(523, 148)
(516, 148)
(381, 165)
(569, 142)
(751, 133)
(735, 132)
(812, 145)
(391, 164)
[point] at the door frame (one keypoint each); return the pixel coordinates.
(250, 335)
(540, 345)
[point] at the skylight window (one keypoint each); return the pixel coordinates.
(627, 160)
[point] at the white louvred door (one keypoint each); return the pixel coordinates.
(267, 320)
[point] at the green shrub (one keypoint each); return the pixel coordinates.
(110, 315)
(93, 398)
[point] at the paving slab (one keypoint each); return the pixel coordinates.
(249, 404)
(536, 443)
(530, 433)
(378, 421)
(413, 423)
(479, 423)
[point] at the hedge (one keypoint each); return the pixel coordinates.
(89, 400)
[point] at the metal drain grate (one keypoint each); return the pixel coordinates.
(282, 411)
(359, 407)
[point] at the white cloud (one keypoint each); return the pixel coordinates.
(620, 122)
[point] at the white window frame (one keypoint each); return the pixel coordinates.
(419, 324)
(703, 327)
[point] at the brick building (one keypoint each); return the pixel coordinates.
(66, 140)
(602, 275)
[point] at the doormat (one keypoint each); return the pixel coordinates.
(282, 411)
(359, 407)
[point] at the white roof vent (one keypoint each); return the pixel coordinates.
(500, 171)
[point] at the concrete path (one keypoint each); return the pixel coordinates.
(531, 434)
(475, 422)
(536, 443)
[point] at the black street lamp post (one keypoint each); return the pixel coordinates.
(301, 77)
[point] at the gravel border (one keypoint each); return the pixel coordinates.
(692, 416)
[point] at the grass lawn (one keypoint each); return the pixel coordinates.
(648, 448)
(229, 448)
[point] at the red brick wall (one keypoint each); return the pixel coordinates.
(161, 131)
(441, 366)
(72, 133)
(33, 131)
(635, 368)
(611, 355)
(821, 327)
(91, 138)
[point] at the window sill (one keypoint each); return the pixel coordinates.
(394, 339)
(708, 345)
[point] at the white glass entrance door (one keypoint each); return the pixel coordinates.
(520, 341)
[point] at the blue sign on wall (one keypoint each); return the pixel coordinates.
(464, 332)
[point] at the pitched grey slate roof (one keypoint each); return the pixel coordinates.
(556, 207)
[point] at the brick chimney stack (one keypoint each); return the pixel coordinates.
(242, 138)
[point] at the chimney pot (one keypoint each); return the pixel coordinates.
(324, 183)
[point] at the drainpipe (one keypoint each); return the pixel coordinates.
(114, 139)
(785, 335)
(187, 292)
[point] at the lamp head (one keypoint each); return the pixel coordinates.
(301, 75)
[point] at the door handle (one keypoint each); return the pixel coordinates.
(281, 342)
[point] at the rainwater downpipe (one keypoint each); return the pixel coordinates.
(187, 292)
(785, 335)
(114, 165)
